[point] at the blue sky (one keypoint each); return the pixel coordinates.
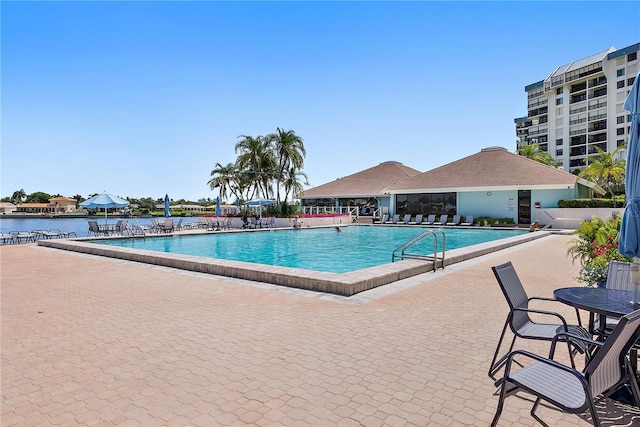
(140, 99)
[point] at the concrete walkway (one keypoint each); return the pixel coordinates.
(96, 341)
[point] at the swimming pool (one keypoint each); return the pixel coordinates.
(307, 245)
(319, 249)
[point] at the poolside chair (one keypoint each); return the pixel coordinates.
(178, 225)
(405, 219)
(7, 238)
(468, 220)
(51, 234)
(167, 226)
(271, 222)
(417, 221)
(430, 220)
(442, 220)
(454, 221)
(93, 229)
(566, 388)
(618, 277)
(521, 323)
(393, 220)
(227, 224)
(384, 219)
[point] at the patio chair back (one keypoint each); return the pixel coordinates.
(522, 325)
(514, 293)
(619, 275)
(93, 228)
(606, 368)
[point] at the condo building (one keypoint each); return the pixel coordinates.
(579, 107)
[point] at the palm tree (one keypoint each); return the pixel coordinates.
(292, 182)
(606, 170)
(18, 196)
(289, 152)
(533, 152)
(224, 178)
(256, 159)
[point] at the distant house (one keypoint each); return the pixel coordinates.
(365, 189)
(184, 208)
(6, 207)
(55, 205)
(494, 182)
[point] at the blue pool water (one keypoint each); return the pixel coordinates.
(321, 249)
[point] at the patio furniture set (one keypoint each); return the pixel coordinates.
(609, 344)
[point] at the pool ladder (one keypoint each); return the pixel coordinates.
(401, 253)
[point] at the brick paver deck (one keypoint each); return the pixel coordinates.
(97, 341)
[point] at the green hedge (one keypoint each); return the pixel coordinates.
(591, 203)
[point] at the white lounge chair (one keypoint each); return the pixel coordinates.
(384, 219)
(405, 219)
(430, 220)
(393, 220)
(454, 221)
(442, 220)
(468, 220)
(417, 221)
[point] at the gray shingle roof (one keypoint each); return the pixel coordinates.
(492, 167)
(369, 182)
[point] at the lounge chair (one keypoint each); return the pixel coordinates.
(393, 220)
(167, 226)
(442, 220)
(468, 220)
(417, 221)
(384, 219)
(7, 238)
(454, 221)
(178, 225)
(565, 387)
(430, 220)
(227, 223)
(54, 233)
(521, 324)
(405, 219)
(24, 236)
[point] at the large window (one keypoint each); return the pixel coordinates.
(426, 203)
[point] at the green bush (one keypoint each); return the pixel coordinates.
(591, 203)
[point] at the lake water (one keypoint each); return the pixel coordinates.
(79, 226)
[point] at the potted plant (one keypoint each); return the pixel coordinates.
(594, 272)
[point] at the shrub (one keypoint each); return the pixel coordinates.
(591, 203)
(595, 246)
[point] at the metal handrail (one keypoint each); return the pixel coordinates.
(406, 255)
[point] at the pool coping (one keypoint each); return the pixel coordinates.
(344, 284)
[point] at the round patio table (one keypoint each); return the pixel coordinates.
(608, 302)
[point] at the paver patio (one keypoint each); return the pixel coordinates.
(97, 341)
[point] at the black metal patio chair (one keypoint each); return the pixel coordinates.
(520, 322)
(565, 387)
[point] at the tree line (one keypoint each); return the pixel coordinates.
(269, 167)
(604, 168)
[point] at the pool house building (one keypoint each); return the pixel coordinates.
(493, 183)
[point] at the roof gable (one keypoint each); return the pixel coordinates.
(369, 182)
(491, 167)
